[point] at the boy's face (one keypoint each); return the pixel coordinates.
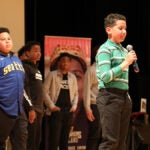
(64, 63)
(6, 43)
(34, 54)
(118, 32)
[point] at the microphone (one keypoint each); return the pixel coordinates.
(135, 65)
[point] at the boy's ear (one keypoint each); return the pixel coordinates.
(108, 30)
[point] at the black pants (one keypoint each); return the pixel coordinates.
(115, 108)
(94, 130)
(35, 133)
(60, 124)
(19, 134)
(6, 125)
(15, 128)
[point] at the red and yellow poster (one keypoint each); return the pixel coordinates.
(80, 48)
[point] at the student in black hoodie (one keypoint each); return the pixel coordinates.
(27, 103)
(33, 86)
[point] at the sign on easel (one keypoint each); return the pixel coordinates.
(143, 105)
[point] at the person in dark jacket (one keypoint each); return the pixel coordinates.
(34, 88)
(27, 102)
(11, 87)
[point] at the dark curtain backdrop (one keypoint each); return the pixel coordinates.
(84, 18)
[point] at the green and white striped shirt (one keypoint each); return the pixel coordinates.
(108, 70)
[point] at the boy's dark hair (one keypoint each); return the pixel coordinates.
(111, 19)
(21, 51)
(4, 29)
(29, 45)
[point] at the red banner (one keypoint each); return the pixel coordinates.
(52, 43)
